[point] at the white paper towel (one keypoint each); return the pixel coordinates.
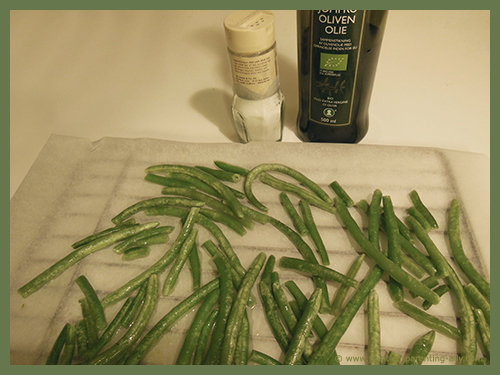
(76, 186)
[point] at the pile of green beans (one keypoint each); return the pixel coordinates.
(201, 197)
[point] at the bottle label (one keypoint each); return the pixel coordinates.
(256, 72)
(335, 41)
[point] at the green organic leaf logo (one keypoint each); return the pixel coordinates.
(330, 61)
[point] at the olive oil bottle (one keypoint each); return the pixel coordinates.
(338, 51)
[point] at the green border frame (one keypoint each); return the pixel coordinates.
(219, 4)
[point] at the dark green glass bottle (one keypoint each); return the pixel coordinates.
(338, 51)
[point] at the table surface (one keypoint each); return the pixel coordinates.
(165, 75)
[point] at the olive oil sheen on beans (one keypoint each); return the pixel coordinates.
(338, 51)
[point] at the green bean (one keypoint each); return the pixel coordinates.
(316, 270)
(55, 352)
(239, 305)
(222, 189)
(320, 282)
(300, 192)
(227, 220)
(432, 250)
(404, 231)
(428, 320)
(214, 251)
(298, 305)
(272, 315)
(481, 361)
(158, 267)
(304, 249)
(268, 270)
(168, 181)
(468, 342)
(297, 312)
(90, 323)
(307, 253)
(331, 339)
(81, 338)
(223, 242)
(155, 333)
(93, 300)
(75, 256)
(389, 266)
(110, 331)
(196, 183)
(263, 359)
(210, 226)
(412, 211)
(297, 221)
(363, 204)
(235, 276)
(394, 248)
(393, 358)
(186, 353)
(406, 245)
(175, 270)
(255, 215)
(69, 346)
(121, 361)
(374, 218)
(302, 330)
(478, 300)
(430, 282)
(412, 266)
(373, 312)
(296, 309)
(133, 240)
(313, 231)
(238, 194)
(221, 174)
(271, 306)
(342, 291)
(102, 233)
(282, 169)
(136, 252)
(114, 353)
(417, 256)
(225, 305)
(458, 252)
(421, 349)
(341, 193)
(419, 205)
(441, 290)
(289, 316)
(483, 328)
(284, 307)
(137, 302)
(318, 326)
(152, 202)
(206, 330)
(150, 240)
(242, 344)
(195, 266)
(231, 168)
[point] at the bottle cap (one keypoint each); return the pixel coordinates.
(249, 31)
